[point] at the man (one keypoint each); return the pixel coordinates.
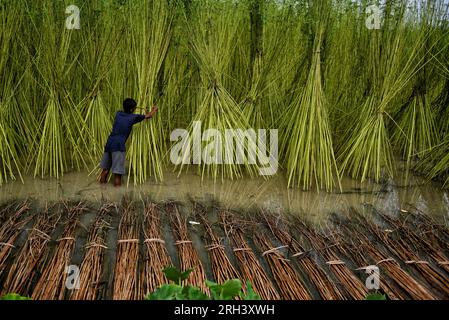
(114, 151)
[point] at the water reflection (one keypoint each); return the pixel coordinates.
(246, 193)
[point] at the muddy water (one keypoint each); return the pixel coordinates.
(246, 193)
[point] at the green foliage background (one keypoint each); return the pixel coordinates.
(347, 100)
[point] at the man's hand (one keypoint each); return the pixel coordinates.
(151, 113)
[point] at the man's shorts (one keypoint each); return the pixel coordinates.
(114, 161)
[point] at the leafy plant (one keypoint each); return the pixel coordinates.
(225, 291)
(250, 293)
(173, 274)
(14, 296)
(229, 290)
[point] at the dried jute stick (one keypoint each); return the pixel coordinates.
(52, 283)
(26, 263)
(156, 254)
(92, 266)
(126, 282)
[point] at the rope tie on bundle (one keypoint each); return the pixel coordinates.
(128, 241)
(386, 260)
(335, 262)
(272, 250)
(41, 233)
(154, 240)
(182, 242)
(416, 262)
(298, 254)
(65, 238)
(363, 268)
(301, 255)
(214, 246)
(94, 245)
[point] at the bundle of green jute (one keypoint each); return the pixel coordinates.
(212, 46)
(150, 36)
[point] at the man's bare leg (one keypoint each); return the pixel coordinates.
(117, 180)
(104, 176)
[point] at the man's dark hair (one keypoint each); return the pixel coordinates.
(129, 105)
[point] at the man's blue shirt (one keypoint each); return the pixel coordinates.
(121, 129)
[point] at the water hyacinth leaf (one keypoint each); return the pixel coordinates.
(175, 275)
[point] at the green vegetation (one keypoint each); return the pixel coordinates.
(346, 99)
(376, 296)
(14, 296)
(229, 290)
